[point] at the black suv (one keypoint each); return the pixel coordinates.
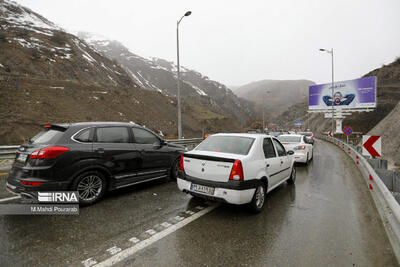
(91, 158)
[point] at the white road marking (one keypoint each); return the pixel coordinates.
(189, 212)
(150, 232)
(145, 243)
(10, 198)
(134, 240)
(114, 250)
(89, 262)
(166, 224)
(179, 218)
(199, 207)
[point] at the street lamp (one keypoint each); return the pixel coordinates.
(331, 52)
(179, 86)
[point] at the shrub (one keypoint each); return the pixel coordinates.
(59, 38)
(3, 37)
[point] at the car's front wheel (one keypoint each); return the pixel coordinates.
(258, 201)
(91, 186)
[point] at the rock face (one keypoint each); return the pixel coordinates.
(48, 75)
(389, 129)
(161, 75)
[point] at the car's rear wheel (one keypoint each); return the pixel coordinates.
(292, 178)
(258, 201)
(175, 169)
(91, 186)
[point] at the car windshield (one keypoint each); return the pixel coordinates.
(289, 139)
(227, 144)
(46, 136)
(307, 134)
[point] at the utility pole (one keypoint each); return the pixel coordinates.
(178, 75)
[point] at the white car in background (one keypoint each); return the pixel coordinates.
(236, 168)
(303, 150)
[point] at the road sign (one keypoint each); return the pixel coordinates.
(298, 123)
(347, 130)
(330, 133)
(371, 145)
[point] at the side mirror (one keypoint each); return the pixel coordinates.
(290, 152)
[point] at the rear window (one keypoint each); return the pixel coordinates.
(227, 144)
(289, 139)
(47, 136)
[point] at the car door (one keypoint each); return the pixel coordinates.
(115, 151)
(155, 156)
(272, 162)
(284, 160)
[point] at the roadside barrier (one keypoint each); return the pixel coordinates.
(386, 204)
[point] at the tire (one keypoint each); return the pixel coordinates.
(292, 178)
(91, 186)
(174, 169)
(258, 202)
(307, 160)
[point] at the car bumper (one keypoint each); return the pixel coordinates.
(16, 187)
(228, 195)
(300, 157)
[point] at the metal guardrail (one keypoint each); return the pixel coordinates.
(8, 152)
(386, 204)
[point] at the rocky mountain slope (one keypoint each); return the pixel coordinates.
(389, 129)
(49, 75)
(161, 75)
(276, 95)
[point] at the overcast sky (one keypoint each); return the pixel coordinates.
(237, 42)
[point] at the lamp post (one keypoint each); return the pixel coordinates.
(331, 52)
(178, 72)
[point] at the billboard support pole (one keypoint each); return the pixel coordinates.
(333, 132)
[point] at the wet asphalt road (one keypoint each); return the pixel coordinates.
(326, 219)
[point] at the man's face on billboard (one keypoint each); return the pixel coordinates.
(337, 97)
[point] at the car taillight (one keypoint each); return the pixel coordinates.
(300, 148)
(237, 171)
(31, 183)
(181, 168)
(48, 152)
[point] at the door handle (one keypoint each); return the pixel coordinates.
(281, 162)
(100, 150)
(267, 165)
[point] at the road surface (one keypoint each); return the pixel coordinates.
(327, 219)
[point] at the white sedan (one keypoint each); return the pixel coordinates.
(303, 150)
(236, 168)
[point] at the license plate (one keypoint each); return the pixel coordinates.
(22, 157)
(202, 189)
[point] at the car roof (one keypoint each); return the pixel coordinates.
(95, 123)
(295, 135)
(254, 135)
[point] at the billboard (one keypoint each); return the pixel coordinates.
(358, 93)
(298, 123)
